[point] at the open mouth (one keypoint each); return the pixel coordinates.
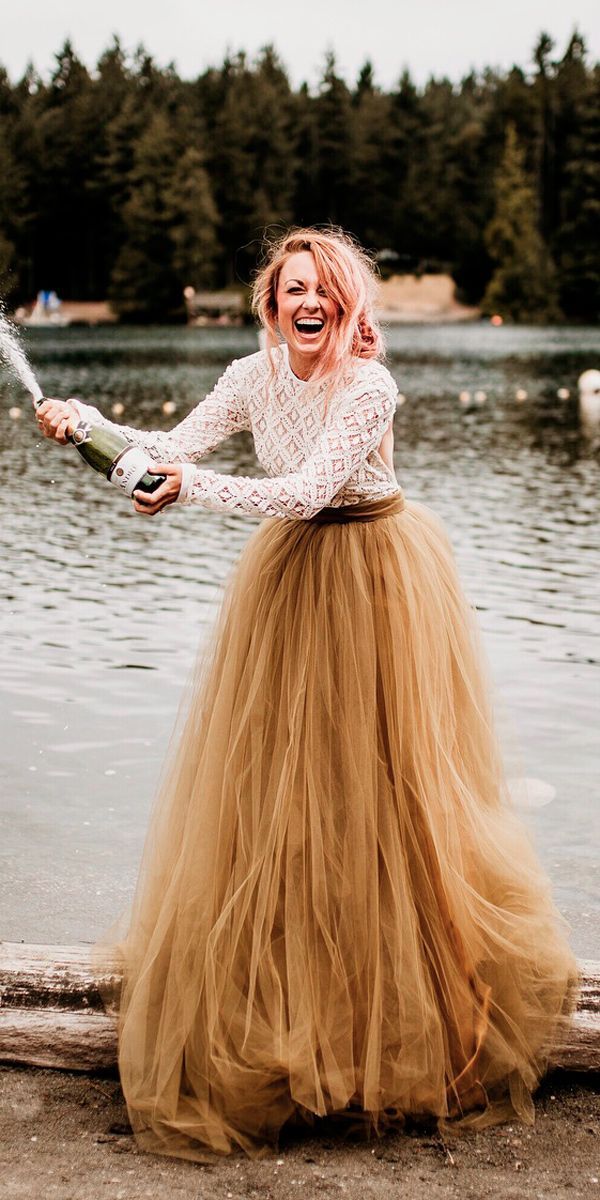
(308, 325)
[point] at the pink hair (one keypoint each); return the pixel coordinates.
(349, 277)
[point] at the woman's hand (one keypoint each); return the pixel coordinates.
(56, 419)
(151, 503)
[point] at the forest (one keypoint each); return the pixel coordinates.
(129, 183)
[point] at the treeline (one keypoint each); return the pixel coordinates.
(130, 183)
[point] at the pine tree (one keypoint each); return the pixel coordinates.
(193, 219)
(523, 286)
(375, 179)
(14, 217)
(334, 126)
(251, 156)
(143, 284)
(578, 241)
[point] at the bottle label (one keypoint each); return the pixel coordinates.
(128, 468)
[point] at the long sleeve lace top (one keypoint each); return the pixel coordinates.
(311, 460)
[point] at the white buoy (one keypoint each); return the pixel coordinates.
(169, 407)
(15, 413)
(480, 397)
(563, 393)
(464, 398)
(589, 398)
(117, 409)
(520, 395)
(529, 792)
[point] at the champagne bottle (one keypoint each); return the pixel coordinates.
(110, 453)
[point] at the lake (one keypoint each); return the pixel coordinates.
(102, 611)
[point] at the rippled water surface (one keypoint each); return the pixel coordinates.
(102, 611)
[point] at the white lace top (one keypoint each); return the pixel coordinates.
(311, 461)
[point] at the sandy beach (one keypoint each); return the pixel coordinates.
(66, 1136)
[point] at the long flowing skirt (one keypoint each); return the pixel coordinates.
(339, 910)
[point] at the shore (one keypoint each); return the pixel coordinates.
(402, 299)
(66, 1136)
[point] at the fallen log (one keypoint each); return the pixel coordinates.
(52, 1015)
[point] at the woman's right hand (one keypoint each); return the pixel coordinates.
(57, 418)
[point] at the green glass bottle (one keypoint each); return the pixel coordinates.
(110, 453)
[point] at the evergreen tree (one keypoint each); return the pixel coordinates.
(14, 218)
(143, 284)
(192, 221)
(578, 240)
(408, 161)
(334, 130)
(375, 179)
(63, 143)
(523, 286)
(251, 157)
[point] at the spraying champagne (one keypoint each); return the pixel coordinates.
(110, 453)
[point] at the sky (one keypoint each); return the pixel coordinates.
(430, 37)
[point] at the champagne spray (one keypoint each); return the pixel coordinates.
(106, 451)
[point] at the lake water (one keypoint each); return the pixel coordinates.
(102, 611)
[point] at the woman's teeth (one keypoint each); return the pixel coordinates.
(309, 325)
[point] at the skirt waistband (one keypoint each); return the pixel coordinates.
(365, 510)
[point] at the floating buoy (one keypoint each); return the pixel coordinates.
(15, 413)
(529, 792)
(589, 397)
(480, 397)
(563, 393)
(520, 395)
(169, 407)
(117, 409)
(464, 398)
(496, 319)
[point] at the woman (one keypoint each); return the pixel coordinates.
(338, 910)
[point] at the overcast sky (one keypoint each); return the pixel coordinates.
(428, 36)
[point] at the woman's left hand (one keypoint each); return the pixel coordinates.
(151, 503)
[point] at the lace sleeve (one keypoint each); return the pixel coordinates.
(221, 413)
(355, 429)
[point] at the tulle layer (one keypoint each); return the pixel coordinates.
(339, 910)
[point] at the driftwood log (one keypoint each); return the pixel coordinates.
(52, 1015)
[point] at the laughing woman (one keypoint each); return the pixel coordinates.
(338, 909)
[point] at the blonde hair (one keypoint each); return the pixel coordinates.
(350, 280)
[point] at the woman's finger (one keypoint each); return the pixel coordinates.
(150, 503)
(62, 431)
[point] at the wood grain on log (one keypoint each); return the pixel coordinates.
(52, 1015)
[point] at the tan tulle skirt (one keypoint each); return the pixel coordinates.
(338, 909)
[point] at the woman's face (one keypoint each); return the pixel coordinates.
(305, 313)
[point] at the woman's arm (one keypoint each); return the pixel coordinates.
(221, 413)
(355, 429)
